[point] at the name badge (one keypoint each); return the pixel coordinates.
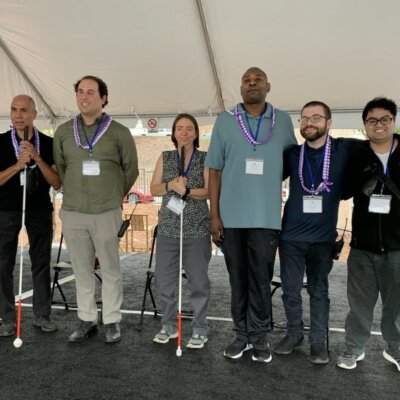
(312, 204)
(91, 168)
(379, 203)
(22, 178)
(176, 205)
(254, 166)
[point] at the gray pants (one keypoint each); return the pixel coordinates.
(368, 275)
(88, 236)
(195, 260)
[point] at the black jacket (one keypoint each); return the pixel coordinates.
(371, 231)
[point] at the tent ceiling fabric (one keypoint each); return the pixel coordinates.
(154, 57)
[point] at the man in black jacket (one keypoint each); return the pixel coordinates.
(374, 260)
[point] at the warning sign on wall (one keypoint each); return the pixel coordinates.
(152, 124)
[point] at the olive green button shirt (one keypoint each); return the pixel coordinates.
(116, 153)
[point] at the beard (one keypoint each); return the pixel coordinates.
(314, 135)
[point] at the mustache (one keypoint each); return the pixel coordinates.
(312, 137)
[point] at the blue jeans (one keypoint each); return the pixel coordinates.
(368, 275)
(315, 259)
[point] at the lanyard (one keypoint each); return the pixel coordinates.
(387, 164)
(90, 142)
(390, 153)
(310, 174)
(178, 161)
(255, 136)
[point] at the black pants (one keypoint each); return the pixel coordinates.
(40, 234)
(250, 257)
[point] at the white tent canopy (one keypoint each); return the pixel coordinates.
(161, 57)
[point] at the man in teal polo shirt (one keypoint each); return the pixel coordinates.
(245, 161)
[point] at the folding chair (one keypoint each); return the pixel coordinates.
(63, 266)
(276, 283)
(139, 223)
(148, 289)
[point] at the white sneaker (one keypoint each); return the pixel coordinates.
(349, 361)
(393, 358)
(163, 336)
(197, 342)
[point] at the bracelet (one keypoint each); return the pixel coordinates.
(166, 187)
(187, 192)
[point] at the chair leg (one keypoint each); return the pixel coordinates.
(57, 284)
(146, 289)
(53, 285)
(276, 286)
(152, 298)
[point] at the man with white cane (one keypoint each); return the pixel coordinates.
(36, 154)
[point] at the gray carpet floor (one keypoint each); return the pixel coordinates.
(48, 367)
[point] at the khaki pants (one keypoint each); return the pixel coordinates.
(89, 236)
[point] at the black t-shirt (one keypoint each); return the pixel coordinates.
(318, 227)
(11, 192)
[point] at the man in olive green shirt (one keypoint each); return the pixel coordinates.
(97, 163)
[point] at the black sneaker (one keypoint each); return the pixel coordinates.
(287, 345)
(236, 349)
(112, 332)
(85, 329)
(318, 353)
(261, 352)
(45, 324)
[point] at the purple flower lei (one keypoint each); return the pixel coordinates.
(324, 185)
(245, 132)
(99, 133)
(15, 142)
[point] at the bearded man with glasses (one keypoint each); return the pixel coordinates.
(316, 170)
(374, 261)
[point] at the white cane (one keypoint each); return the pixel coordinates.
(179, 348)
(179, 344)
(18, 341)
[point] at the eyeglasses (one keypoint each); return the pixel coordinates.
(314, 119)
(383, 121)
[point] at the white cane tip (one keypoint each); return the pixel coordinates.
(178, 352)
(17, 342)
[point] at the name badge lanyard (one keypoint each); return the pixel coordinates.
(178, 161)
(310, 174)
(255, 135)
(387, 165)
(90, 142)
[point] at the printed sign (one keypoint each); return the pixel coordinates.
(152, 125)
